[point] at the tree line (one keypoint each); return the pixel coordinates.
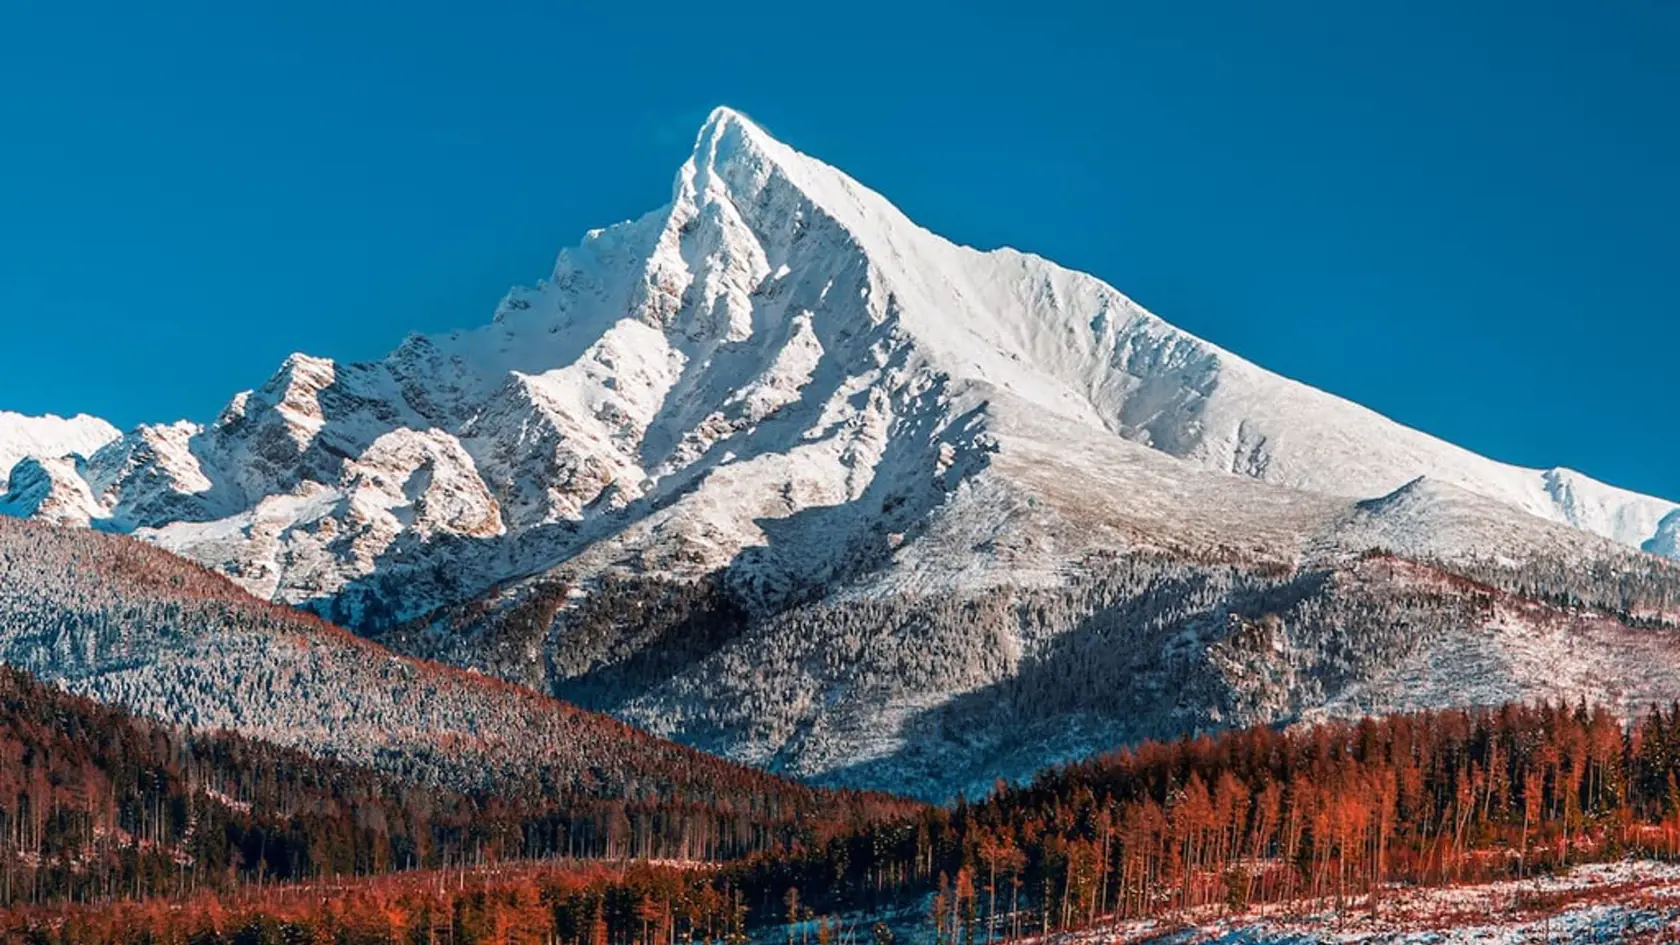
(1337, 811)
(511, 904)
(97, 806)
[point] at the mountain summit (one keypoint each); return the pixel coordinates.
(778, 393)
(764, 260)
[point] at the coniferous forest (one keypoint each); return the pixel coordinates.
(117, 829)
(97, 806)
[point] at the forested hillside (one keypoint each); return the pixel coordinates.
(133, 626)
(1334, 810)
(98, 805)
(928, 694)
(1337, 812)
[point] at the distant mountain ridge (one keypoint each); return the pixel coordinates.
(51, 437)
(777, 401)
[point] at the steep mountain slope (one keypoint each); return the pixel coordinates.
(39, 463)
(776, 472)
(1019, 626)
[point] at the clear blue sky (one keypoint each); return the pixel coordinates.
(1466, 219)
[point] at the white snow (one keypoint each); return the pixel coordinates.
(50, 437)
(50, 489)
(1606, 902)
(1067, 342)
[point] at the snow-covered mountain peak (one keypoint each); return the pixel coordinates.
(294, 393)
(799, 472)
(50, 437)
(774, 189)
(728, 134)
(776, 374)
(731, 144)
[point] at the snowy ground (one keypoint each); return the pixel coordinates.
(1636, 901)
(1630, 901)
